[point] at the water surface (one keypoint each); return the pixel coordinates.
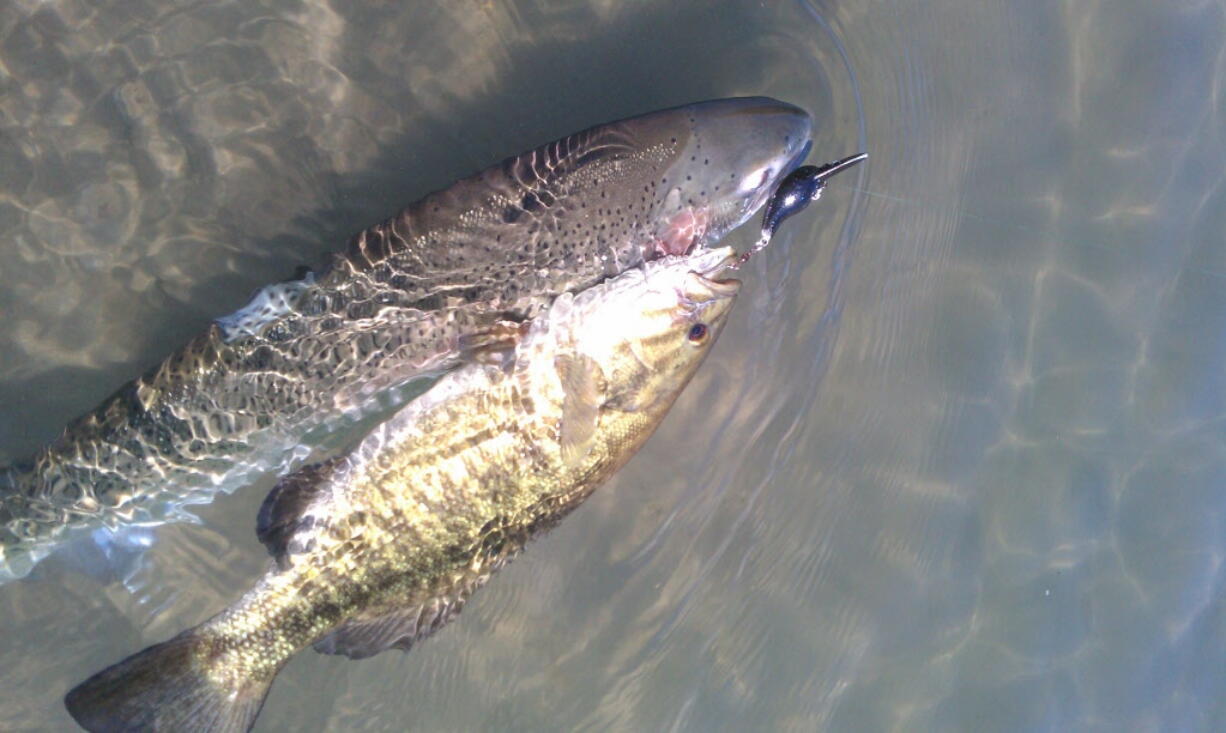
(957, 463)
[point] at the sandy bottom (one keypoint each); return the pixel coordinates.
(956, 464)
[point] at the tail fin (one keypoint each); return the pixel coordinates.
(165, 687)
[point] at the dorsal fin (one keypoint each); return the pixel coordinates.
(399, 627)
(285, 509)
(583, 386)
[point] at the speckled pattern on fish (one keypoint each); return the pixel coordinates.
(379, 548)
(407, 297)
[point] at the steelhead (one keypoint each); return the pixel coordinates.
(405, 299)
(379, 548)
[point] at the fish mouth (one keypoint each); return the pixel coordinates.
(722, 288)
(708, 266)
(800, 157)
(775, 175)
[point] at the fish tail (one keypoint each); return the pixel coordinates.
(167, 687)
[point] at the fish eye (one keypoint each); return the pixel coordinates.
(698, 333)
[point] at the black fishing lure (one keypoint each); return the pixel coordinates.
(800, 188)
(796, 191)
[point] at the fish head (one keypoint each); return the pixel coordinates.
(736, 153)
(665, 182)
(594, 204)
(647, 331)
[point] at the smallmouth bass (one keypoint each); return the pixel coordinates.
(379, 548)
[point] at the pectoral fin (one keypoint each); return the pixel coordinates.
(286, 509)
(584, 387)
(495, 343)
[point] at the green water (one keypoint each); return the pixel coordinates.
(957, 463)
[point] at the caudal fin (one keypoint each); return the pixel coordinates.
(165, 687)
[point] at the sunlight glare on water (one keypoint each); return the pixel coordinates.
(956, 463)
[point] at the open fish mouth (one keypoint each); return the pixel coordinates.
(706, 283)
(723, 288)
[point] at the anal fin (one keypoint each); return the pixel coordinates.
(389, 627)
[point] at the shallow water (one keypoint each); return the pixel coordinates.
(956, 463)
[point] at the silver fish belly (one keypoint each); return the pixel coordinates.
(406, 298)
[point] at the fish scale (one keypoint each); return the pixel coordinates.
(378, 549)
(407, 298)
